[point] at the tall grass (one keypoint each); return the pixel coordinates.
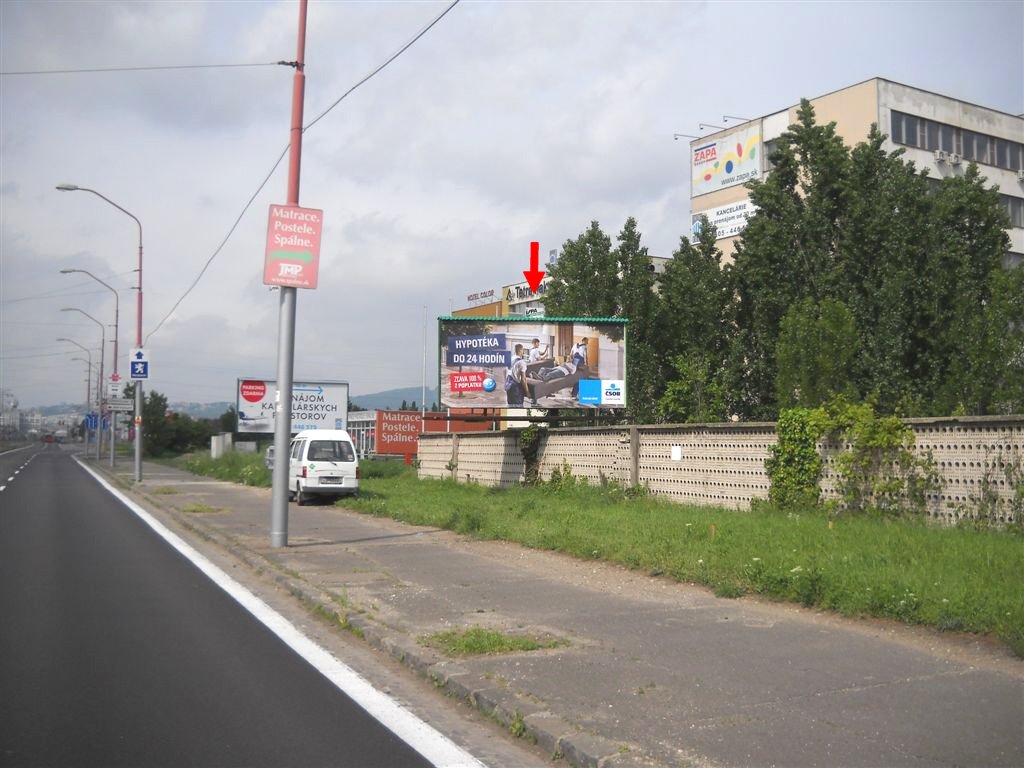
(244, 468)
(905, 569)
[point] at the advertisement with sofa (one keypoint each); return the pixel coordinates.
(532, 362)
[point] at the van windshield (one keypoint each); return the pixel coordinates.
(330, 450)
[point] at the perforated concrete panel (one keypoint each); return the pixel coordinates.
(723, 464)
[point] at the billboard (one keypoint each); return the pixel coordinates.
(729, 220)
(510, 362)
(315, 405)
(292, 257)
(726, 161)
(398, 432)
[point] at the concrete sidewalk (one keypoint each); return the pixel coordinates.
(653, 673)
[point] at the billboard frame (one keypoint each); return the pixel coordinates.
(267, 423)
(614, 333)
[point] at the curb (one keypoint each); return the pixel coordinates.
(522, 718)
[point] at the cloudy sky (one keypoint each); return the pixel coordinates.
(508, 122)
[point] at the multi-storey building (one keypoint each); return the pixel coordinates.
(938, 133)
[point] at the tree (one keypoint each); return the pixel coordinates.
(697, 391)
(585, 281)
(635, 301)
(968, 343)
(228, 421)
(693, 330)
(816, 349)
(918, 270)
(787, 251)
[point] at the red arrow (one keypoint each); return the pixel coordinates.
(534, 276)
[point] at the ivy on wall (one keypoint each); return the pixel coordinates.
(877, 468)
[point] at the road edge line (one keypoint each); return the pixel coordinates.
(422, 737)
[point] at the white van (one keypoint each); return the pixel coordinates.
(322, 462)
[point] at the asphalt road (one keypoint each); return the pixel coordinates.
(115, 650)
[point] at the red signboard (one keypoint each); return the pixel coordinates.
(470, 381)
(293, 246)
(398, 432)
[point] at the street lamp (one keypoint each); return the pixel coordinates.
(88, 393)
(117, 313)
(103, 348)
(138, 324)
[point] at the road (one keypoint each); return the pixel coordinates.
(116, 650)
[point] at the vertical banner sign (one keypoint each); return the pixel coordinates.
(293, 246)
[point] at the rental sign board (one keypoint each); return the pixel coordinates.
(315, 405)
(526, 362)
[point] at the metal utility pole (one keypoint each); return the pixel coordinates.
(286, 314)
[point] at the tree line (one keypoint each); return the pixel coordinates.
(857, 276)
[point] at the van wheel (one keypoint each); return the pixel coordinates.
(302, 499)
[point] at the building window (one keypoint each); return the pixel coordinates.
(913, 131)
(1015, 208)
(948, 135)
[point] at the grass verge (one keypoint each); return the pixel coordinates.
(952, 578)
(955, 579)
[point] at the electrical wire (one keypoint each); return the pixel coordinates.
(266, 179)
(143, 69)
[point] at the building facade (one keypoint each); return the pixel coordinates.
(938, 133)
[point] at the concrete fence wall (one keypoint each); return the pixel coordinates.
(723, 464)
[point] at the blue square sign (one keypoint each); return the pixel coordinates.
(590, 392)
(140, 369)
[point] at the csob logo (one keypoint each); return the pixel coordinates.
(612, 393)
(489, 384)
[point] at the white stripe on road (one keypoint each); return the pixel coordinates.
(433, 745)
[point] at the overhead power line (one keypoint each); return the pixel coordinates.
(284, 152)
(143, 69)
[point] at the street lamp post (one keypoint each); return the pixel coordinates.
(103, 349)
(138, 324)
(88, 393)
(117, 314)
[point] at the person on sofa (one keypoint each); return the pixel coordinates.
(568, 368)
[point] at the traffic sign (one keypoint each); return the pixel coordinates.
(92, 420)
(138, 361)
(121, 404)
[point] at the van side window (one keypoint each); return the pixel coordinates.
(296, 449)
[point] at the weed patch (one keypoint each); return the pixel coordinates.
(199, 509)
(479, 641)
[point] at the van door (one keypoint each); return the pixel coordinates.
(294, 463)
(331, 465)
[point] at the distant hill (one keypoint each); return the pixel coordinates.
(201, 410)
(392, 398)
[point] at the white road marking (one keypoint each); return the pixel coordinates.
(433, 745)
